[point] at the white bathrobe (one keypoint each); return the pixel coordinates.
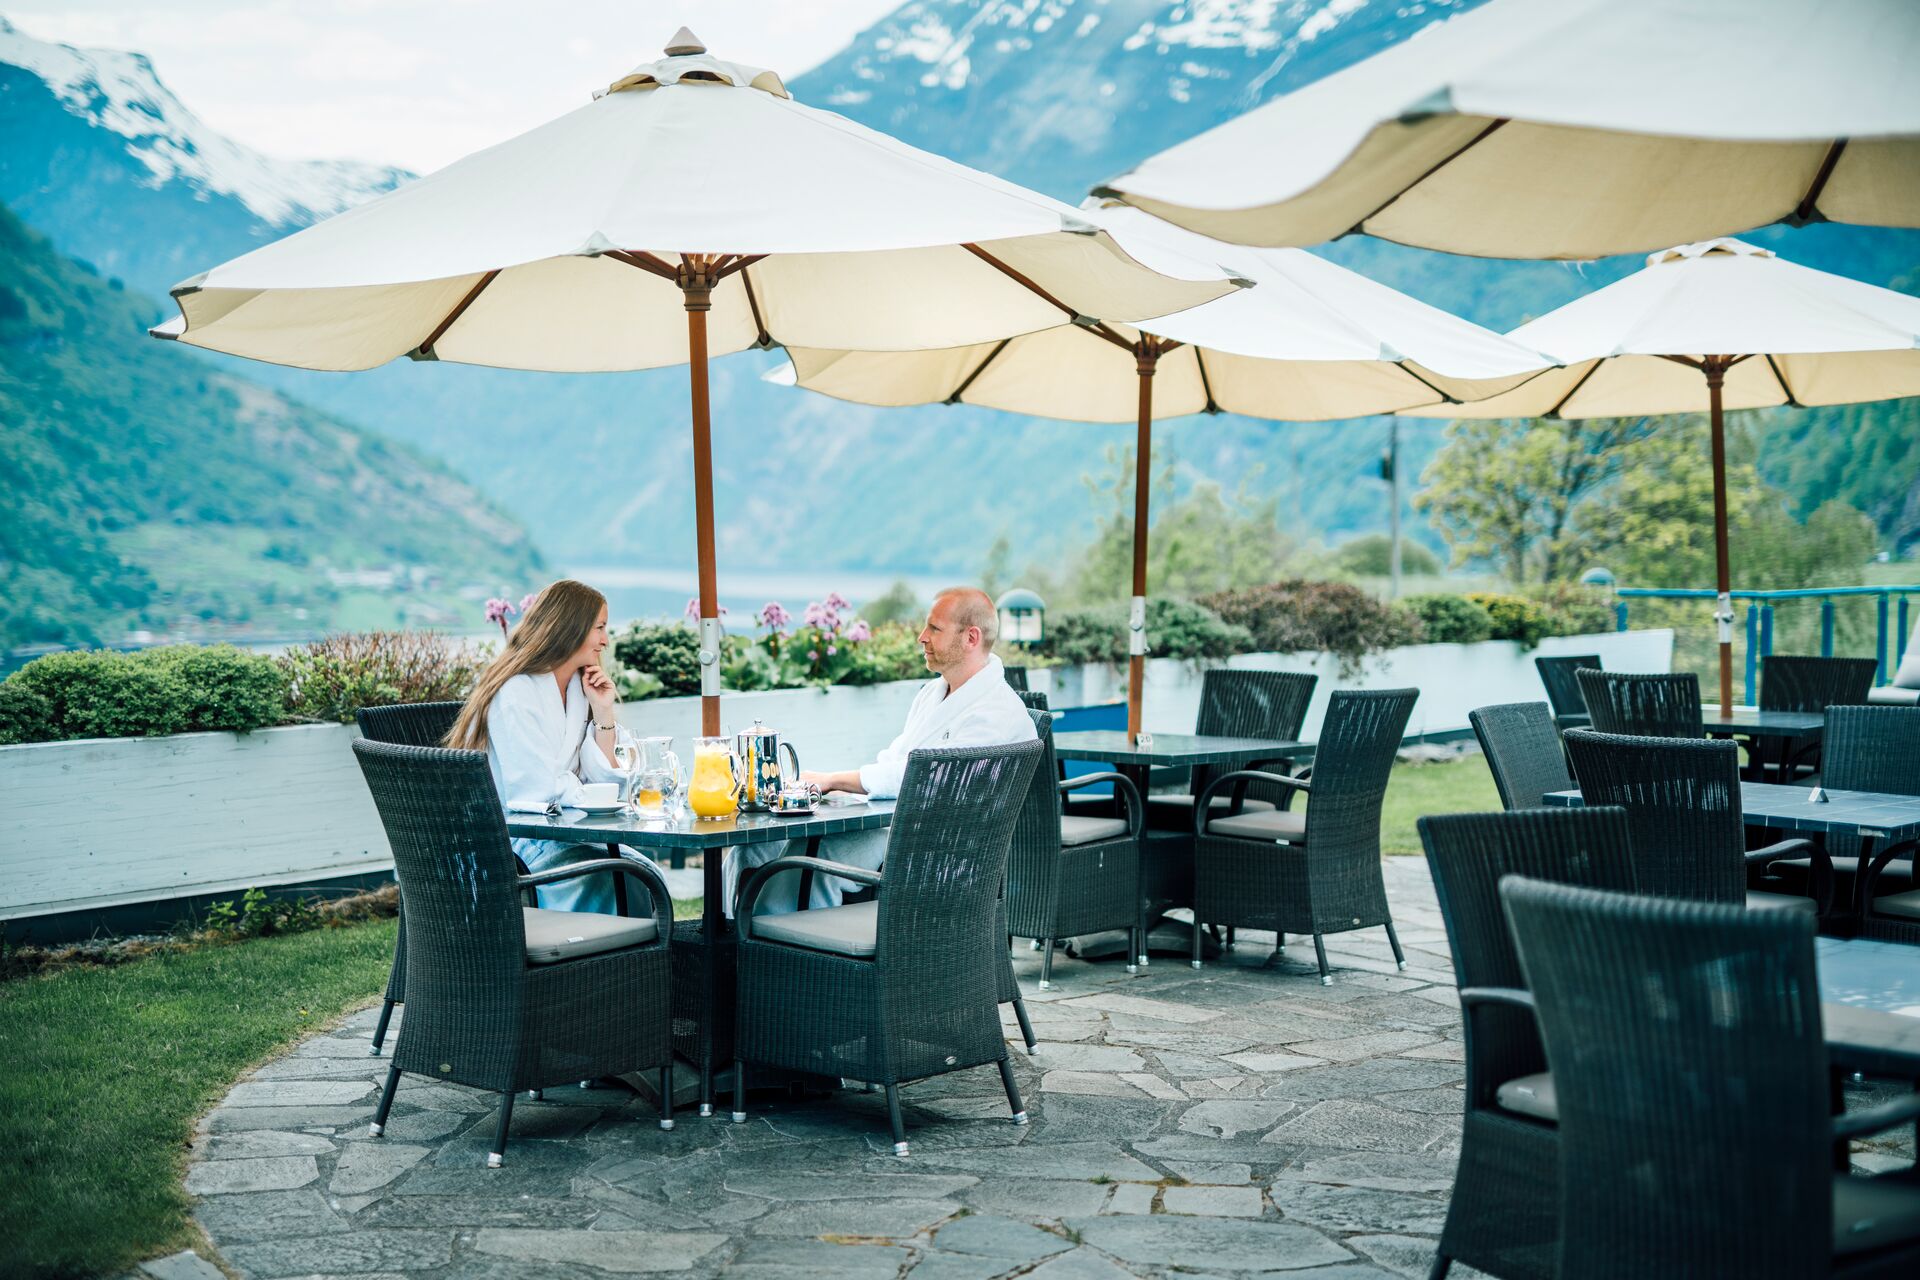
(540, 752)
(983, 712)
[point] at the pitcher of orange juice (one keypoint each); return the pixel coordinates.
(713, 792)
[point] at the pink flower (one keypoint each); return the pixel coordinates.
(499, 610)
(837, 601)
(813, 655)
(693, 609)
(822, 616)
(859, 632)
(526, 601)
(831, 650)
(773, 616)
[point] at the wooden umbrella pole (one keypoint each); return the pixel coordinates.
(1147, 357)
(1715, 368)
(696, 282)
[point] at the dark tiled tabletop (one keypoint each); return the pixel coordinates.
(1853, 813)
(1171, 749)
(685, 832)
(1767, 724)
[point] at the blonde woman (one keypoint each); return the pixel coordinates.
(543, 712)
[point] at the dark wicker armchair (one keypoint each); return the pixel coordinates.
(1035, 701)
(1240, 704)
(413, 724)
(908, 985)
(1792, 682)
(1878, 749)
(1563, 687)
(1315, 872)
(1072, 875)
(500, 996)
(1696, 1133)
(1016, 678)
(1504, 1214)
(1654, 706)
(1523, 750)
(1682, 797)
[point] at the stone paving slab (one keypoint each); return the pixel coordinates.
(1237, 1120)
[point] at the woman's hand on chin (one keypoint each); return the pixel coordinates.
(600, 692)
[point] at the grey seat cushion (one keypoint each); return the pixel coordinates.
(553, 936)
(1185, 801)
(1760, 900)
(1872, 1213)
(1893, 695)
(1530, 1096)
(1904, 905)
(840, 931)
(1075, 829)
(1275, 824)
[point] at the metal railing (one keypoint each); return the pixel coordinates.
(1760, 606)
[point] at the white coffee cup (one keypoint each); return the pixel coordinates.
(600, 795)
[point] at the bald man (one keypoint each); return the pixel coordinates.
(968, 703)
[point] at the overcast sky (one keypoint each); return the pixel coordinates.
(421, 84)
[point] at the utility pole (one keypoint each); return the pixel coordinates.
(1390, 465)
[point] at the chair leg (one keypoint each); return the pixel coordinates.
(1013, 1091)
(380, 1028)
(1026, 1025)
(1441, 1265)
(1046, 965)
(893, 1118)
(498, 1156)
(1393, 940)
(1134, 947)
(1320, 950)
(739, 1091)
(1228, 944)
(1197, 926)
(379, 1125)
(666, 1096)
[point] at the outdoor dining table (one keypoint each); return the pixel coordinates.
(703, 958)
(1784, 731)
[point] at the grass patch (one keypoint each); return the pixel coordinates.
(106, 1069)
(1418, 790)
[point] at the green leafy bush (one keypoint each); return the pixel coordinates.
(25, 715)
(1301, 616)
(1575, 610)
(669, 652)
(98, 693)
(1515, 618)
(892, 652)
(1447, 619)
(1371, 555)
(223, 687)
(1175, 629)
(331, 679)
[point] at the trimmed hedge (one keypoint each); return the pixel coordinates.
(1450, 619)
(102, 694)
(1175, 629)
(1300, 616)
(1516, 618)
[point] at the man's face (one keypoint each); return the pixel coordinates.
(942, 640)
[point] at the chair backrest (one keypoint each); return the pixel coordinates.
(1252, 704)
(1016, 678)
(1351, 764)
(1035, 701)
(1522, 746)
(455, 867)
(1469, 853)
(1682, 797)
(410, 724)
(1686, 1047)
(1872, 749)
(1658, 706)
(1033, 858)
(1793, 682)
(1563, 690)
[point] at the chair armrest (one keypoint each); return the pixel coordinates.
(1122, 787)
(1859, 1124)
(646, 873)
(1511, 996)
(757, 879)
(1881, 861)
(1203, 804)
(1821, 876)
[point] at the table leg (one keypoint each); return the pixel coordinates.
(713, 920)
(1138, 774)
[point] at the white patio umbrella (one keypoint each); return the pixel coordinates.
(1574, 129)
(1708, 327)
(1312, 341)
(694, 207)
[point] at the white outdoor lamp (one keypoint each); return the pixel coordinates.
(1023, 616)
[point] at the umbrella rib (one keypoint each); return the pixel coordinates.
(1359, 227)
(1806, 211)
(1574, 390)
(977, 371)
(1405, 368)
(1785, 390)
(460, 309)
(1206, 383)
(765, 340)
(1097, 326)
(646, 262)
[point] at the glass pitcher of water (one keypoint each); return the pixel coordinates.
(656, 774)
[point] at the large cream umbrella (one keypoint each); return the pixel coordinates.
(1708, 327)
(1574, 129)
(693, 208)
(1312, 341)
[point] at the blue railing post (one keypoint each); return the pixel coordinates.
(1826, 626)
(1753, 647)
(1620, 615)
(1900, 636)
(1766, 630)
(1880, 642)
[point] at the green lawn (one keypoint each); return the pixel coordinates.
(1416, 790)
(106, 1069)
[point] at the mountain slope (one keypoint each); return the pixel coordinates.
(149, 492)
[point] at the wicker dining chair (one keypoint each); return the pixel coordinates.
(1877, 748)
(1522, 745)
(1035, 700)
(1796, 682)
(1069, 875)
(906, 986)
(1315, 872)
(1016, 678)
(1682, 797)
(1563, 687)
(1503, 1216)
(1240, 704)
(1696, 1128)
(500, 996)
(1654, 706)
(411, 724)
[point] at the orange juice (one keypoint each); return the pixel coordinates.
(713, 792)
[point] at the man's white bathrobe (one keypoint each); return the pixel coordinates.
(540, 753)
(983, 712)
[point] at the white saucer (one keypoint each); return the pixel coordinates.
(599, 810)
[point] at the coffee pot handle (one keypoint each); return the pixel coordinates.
(793, 758)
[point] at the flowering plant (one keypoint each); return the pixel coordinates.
(499, 610)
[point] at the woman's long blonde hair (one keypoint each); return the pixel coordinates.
(556, 624)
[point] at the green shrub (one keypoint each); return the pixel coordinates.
(669, 652)
(1300, 616)
(331, 679)
(1175, 629)
(1515, 618)
(892, 652)
(1575, 610)
(1371, 555)
(97, 693)
(224, 687)
(1446, 619)
(25, 715)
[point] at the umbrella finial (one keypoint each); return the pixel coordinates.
(684, 44)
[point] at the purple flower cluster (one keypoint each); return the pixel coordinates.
(773, 615)
(693, 609)
(498, 611)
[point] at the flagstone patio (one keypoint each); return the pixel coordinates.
(1239, 1119)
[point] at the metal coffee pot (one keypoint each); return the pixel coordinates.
(759, 750)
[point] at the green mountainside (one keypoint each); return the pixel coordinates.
(146, 492)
